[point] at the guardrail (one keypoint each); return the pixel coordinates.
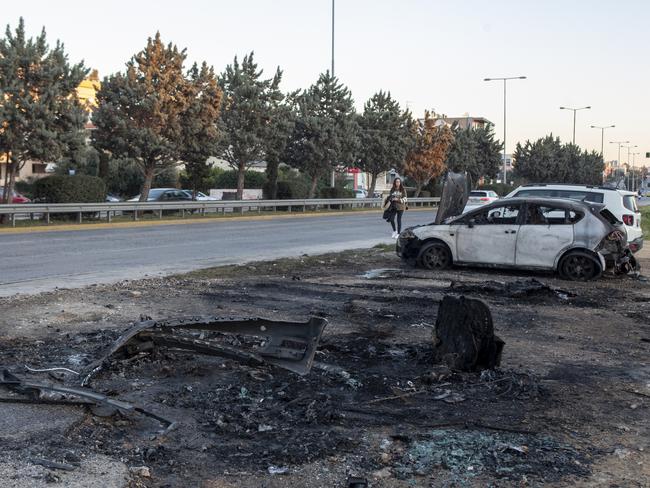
(109, 210)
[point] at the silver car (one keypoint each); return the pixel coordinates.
(578, 240)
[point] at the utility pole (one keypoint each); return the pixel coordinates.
(505, 79)
(574, 118)
(631, 175)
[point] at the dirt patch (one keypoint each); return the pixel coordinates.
(568, 406)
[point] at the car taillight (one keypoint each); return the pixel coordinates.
(485, 199)
(628, 219)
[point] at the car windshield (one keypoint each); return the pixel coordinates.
(580, 195)
(478, 194)
(629, 201)
(156, 193)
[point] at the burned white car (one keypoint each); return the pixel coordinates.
(578, 240)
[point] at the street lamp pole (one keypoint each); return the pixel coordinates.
(333, 38)
(628, 162)
(602, 137)
(618, 161)
(505, 79)
(574, 118)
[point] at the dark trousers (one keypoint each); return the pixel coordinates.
(397, 213)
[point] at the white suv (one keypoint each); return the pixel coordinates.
(620, 202)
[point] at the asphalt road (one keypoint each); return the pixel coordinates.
(41, 261)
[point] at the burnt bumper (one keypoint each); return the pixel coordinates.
(408, 246)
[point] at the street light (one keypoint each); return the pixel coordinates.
(602, 136)
(619, 149)
(505, 79)
(634, 154)
(628, 160)
(574, 118)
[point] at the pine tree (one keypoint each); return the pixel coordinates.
(246, 113)
(325, 135)
(39, 111)
(200, 132)
(474, 151)
(140, 112)
(425, 160)
(384, 136)
(279, 130)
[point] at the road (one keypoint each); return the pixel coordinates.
(41, 261)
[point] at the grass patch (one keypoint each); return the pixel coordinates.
(645, 217)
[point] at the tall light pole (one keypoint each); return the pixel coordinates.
(619, 149)
(634, 154)
(628, 160)
(333, 38)
(505, 79)
(574, 118)
(602, 136)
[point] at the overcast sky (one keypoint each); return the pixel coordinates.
(428, 54)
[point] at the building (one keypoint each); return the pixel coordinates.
(87, 95)
(464, 122)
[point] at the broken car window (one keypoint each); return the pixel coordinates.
(503, 215)
(548, 215)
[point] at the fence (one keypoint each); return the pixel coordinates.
(108, 210)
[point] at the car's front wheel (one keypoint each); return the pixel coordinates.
(434, 256)
(579, 266)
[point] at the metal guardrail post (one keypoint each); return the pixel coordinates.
(79, 217)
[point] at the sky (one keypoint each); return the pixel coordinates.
(429, 54)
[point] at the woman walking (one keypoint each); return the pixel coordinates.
(396, 204)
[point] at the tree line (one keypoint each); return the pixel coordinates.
(158, 113)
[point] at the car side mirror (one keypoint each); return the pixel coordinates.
(471, 223)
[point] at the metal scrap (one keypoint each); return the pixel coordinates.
(289, 345)
(36, 390)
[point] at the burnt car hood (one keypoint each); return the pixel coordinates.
(455, 193)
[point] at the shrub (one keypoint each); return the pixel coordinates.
(336, 192)
(253, 180)
(70, 189)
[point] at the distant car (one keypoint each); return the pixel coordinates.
(112, 198)
(164, 195)
(360, 193)
(15, 197)
(478, 198)
(201, 197)
(621, 203)
(578, 240)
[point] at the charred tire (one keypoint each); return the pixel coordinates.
(434, 255)
(579, 266)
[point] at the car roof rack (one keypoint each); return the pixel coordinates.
(595, 187)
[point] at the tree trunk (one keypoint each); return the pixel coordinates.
(241, 176)
(148, 180)
(103, 165)
(272, 178)
(10, 183)
(312, 188)
(418, 189)
(373, 183)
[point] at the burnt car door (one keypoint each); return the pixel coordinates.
(546, 231)
(489, 236)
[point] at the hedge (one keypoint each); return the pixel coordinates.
(336, 192)
(70, 189)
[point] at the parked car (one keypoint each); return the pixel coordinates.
(164, 195)
(15, 197)
(478, 198)
(621, 203)
(110, 198)
(578, 240)
(201, 197)
(360, 193)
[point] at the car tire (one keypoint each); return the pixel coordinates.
(435, 255)
(579, 266)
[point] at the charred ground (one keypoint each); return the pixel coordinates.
(568, 406)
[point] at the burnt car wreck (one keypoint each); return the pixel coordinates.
(578, 240)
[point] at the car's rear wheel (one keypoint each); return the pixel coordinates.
(579, 266)
(434, 256)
